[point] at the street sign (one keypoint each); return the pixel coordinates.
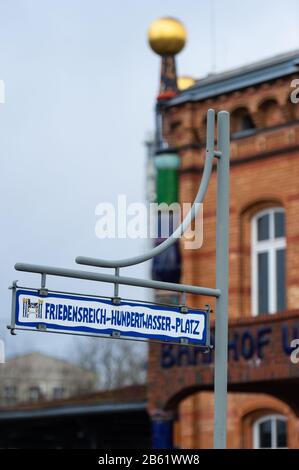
(82, 314)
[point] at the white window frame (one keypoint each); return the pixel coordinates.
(269, 246)
(273, 418)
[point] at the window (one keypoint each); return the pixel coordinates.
(241, 122)
(270, 432)
(268, 262)
(58, 392)
(34, 393)
(10, 394)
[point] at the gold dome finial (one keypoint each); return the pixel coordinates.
(185, 82)
(167, 36)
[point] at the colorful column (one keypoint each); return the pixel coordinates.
(162, 431)
(167, 266)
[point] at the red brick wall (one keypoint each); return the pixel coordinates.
(194, 425)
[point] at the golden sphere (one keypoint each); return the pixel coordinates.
(167, 36)
(185, 82)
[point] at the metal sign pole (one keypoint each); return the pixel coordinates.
(222, 247)
(221, 290)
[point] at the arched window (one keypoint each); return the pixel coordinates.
(270, 432)
(268, 262)
(241, 121)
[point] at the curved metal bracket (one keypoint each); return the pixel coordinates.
(210, 154)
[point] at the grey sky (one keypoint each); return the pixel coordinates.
(80, 89)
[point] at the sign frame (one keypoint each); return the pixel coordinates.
(172, 312)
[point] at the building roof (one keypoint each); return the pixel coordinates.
(242, 77)
(35, 358)
(129, 398)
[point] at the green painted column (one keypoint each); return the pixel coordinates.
(167, 183)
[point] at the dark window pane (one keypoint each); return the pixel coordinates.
(263, 227)
(280, 280)
(265, 434)
(246, 123)
(279, 224)
(281, 433)
(263, 294)
(58, 392)
(10, 394)
(34, 393)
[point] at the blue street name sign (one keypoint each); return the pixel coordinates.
(80, 314)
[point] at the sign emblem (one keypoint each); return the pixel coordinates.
(32, 307)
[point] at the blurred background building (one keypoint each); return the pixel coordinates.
(33, 377)
(113, 419)
(48, 402)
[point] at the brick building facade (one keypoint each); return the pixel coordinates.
(263, 403)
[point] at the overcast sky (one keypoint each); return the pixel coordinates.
(80, 89)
